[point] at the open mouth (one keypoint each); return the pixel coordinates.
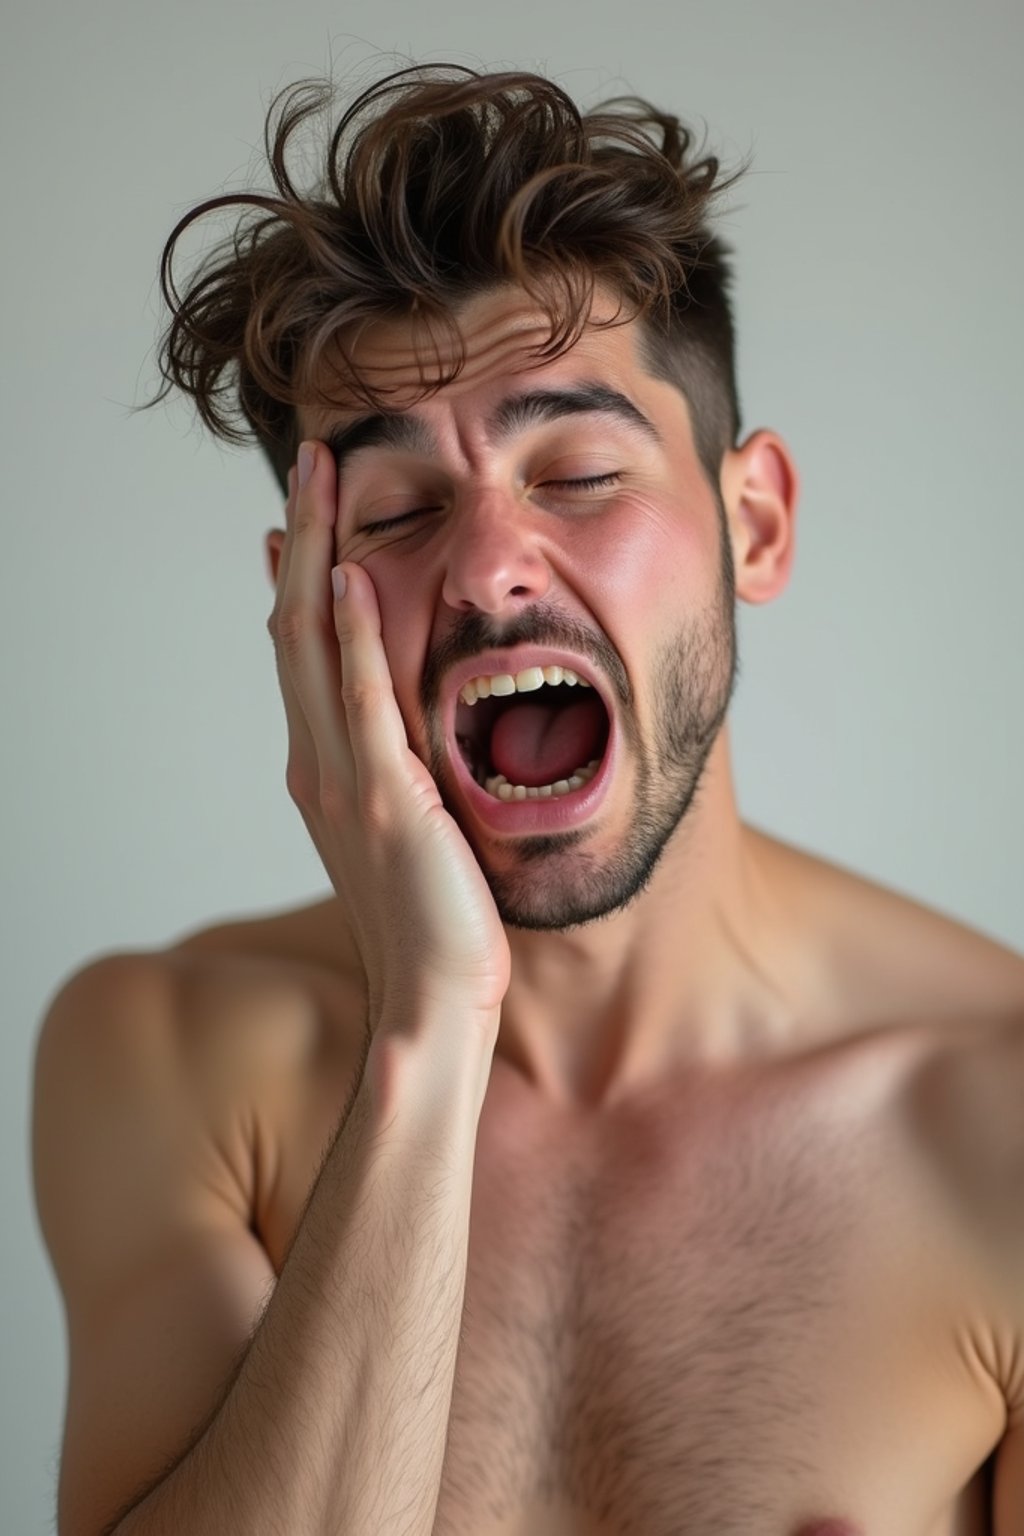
(534, 736)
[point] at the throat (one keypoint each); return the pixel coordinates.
(534, 743)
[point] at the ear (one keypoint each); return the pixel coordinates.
(273, 544)
(760, 489)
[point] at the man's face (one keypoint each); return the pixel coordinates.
(487, 560)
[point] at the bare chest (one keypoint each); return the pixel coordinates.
(718, 1324)
(681, 1329)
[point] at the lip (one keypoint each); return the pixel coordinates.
(557, 813)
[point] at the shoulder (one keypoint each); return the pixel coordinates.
(882, 958)
(965, 1102)
(243, 992)
(283, 990)
(232, 1023)
(940, 1005)
(964, 1121)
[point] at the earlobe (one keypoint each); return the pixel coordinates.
(760, 489)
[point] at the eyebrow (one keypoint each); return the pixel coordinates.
(402, 432)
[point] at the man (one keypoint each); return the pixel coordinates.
(590, 1161)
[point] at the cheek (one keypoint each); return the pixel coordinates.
(641, 555)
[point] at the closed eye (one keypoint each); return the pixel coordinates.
(591, 483)
(395, 522)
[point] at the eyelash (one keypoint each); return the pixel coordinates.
(591, 483)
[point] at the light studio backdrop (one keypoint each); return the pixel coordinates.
(879, 715)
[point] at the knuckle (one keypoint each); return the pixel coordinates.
(363, 699)
(305, 517)
(300, 784)
(345, 630)
(274, 620)
(294, 626)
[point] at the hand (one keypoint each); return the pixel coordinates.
(416, 899)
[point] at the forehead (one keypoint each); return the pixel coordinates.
(501, 331)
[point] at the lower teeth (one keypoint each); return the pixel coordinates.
(501, 789)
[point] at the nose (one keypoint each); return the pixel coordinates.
(493, 562)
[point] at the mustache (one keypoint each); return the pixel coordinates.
(473, 633)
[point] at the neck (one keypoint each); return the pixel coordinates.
(696, 969)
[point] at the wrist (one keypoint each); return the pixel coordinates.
(433, 1053)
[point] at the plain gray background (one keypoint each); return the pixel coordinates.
(878, 719)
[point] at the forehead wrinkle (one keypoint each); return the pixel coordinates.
(404, 432)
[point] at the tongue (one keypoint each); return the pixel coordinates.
(539, 744)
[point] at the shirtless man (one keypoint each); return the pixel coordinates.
(590, 1163)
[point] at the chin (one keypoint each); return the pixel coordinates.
(556, 884)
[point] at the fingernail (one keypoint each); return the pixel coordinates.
(339, 582)
(307, 459)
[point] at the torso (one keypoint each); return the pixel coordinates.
(748, 1305)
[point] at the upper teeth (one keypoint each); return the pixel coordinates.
(522, 682)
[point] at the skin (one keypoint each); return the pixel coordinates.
(596, 1013)
(733, 976)
(745, 1251)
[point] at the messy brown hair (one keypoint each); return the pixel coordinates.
(440, 182)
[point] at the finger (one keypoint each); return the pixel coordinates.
(300, 739)
(377, 734)
(309, 666)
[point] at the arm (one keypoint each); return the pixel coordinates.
(335, 1419)
(335, 1414)
(338, 1419)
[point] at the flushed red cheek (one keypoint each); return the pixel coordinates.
(635, 560)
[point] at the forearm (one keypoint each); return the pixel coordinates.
(337, 1421)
